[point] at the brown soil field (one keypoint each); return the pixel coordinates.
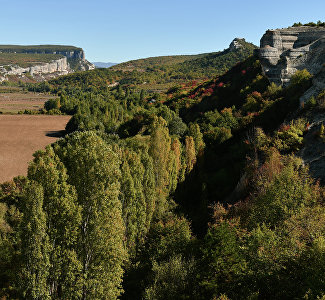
(21, 136)
(17, 101)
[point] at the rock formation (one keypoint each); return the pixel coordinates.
(284, 51)
(236, 44)
(73, 59)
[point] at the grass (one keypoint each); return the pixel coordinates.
(14, 101)
(27, 59)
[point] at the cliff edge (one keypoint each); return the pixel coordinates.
(284, 51)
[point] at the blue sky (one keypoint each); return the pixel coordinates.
(122, 30)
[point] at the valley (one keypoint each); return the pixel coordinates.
(172, 177)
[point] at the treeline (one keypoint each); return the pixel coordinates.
(311, 24)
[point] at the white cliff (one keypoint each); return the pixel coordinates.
(71, 61)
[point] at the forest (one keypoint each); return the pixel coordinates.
(196, 192)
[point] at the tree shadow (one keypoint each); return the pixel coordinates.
(57, 133)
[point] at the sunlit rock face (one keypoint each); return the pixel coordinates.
(284, 51)
(70, 62)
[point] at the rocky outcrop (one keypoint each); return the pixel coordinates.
(59, 66)
(284, 51)
(73, 59)
(236, 44)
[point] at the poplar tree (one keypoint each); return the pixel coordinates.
(35, 246)
(190, 156)
(175, 164)
(63, 223)
(149, 184)
(137, 196)
(160, 152)
(194, 130)
(128, 199)
(93, 169)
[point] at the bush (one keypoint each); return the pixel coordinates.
(52, 104)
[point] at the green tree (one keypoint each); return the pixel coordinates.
(93, 169)
(172, 279)
(190, 156)
(222, 262)
(194, 131)
(160, 144)
(133, 199)
(35, 246)
(63, 223)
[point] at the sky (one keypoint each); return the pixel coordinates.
(122, 30)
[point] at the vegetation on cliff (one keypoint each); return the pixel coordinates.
(25, 60)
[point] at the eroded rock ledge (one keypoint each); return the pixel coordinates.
(284, 51)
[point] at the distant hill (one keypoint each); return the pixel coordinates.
(159, 74)
(199, 65)
(150, 62)
(40, 62)
(99, 64)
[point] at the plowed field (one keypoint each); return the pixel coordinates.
(21, 136)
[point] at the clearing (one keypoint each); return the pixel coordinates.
(12, 101)
(21, 136)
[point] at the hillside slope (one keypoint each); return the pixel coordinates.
(159, 74)
(195, 66)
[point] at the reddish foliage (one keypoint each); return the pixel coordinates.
(284, 127)
(220, 84)
(243, 72)
(208, 91)
(256, 94)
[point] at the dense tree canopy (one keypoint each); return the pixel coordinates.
(196, 193)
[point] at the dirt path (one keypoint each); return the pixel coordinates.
(21, 136)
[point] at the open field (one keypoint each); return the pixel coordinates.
(21, 136)
(27, 59)
(13, 102)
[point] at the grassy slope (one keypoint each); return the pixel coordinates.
(185, 63)
(144, 63)
(27, 59)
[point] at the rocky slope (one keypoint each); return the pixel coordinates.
(282, 53)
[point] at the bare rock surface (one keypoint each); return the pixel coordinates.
(284, 51)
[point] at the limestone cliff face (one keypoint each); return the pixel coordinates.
(284, 51)
(60, 66)
(72, 60)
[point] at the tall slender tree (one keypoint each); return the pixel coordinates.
(93, 169)
(63, 223)
(35, 246)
